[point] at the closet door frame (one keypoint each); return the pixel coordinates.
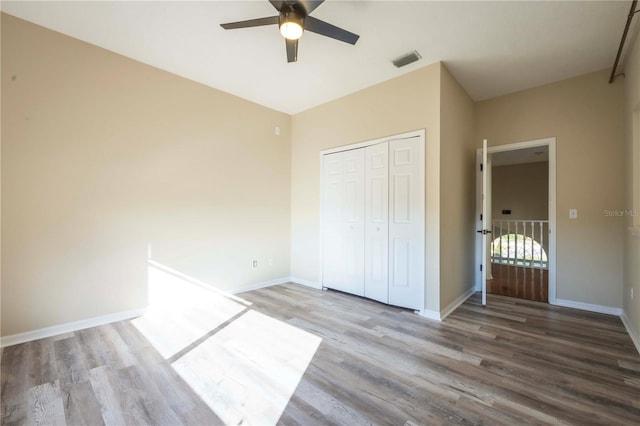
(416, 133)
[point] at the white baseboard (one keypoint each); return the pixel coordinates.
(454, 305)
(589, 307)
(308, 283)
(41, 333)
(263, 284)
(439, 316)
(635, 335)
(69, 327)
(432, 315)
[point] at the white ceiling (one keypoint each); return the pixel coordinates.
(492, 48)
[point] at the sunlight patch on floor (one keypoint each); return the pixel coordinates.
(248, 371)
(180, 312)
(243, 364)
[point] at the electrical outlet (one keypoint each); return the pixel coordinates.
(255, 263)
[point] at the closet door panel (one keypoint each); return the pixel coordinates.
(377, 222)
(406, 225)
(354, 221)
(333, 267)
(401, 255)
(343, 221)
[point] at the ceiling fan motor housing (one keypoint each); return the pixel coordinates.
(291, 16)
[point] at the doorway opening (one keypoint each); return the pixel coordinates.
(520, 218)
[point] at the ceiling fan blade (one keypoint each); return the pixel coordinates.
(292, 50)
(310, 5)
(307, 6)
(277, 4)
(326, 29)
(250, 23)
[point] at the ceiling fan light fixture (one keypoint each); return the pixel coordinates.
(293, 19)
(291, 25)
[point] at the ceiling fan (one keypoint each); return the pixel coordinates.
(293, 20)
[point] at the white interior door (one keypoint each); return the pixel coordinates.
(406, 222)
(485, 226)
(376, 271)
(483, 249)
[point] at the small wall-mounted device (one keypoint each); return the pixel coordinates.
(508, 211)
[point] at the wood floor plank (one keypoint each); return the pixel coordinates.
(298, 409)
(144, 401)
(81, 406)
(15, 372)
(45, 405)
(72, 366)
(42, 363)
(14, 412)
(323, 408)
(106, 388)
(15, 380)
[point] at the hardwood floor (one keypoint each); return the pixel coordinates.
(520, 282)
(514, 362)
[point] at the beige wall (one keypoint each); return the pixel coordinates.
(521, 188)
(409, 102)
(632, 242)
(1, 182)
(103, 157)
(457, 191)
(585, 114)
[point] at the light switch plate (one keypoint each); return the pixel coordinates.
(573, 213)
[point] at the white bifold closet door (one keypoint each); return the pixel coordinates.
(343, 227)
(373, 222)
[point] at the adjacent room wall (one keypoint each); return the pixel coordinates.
(632, 205)
(409, 102)
(457, 191)
(585, 114)
(106, 160)
(521, 188)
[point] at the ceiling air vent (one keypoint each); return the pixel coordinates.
(407, 59)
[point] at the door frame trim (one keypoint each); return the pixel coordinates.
(550, 142)
(420, 133)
